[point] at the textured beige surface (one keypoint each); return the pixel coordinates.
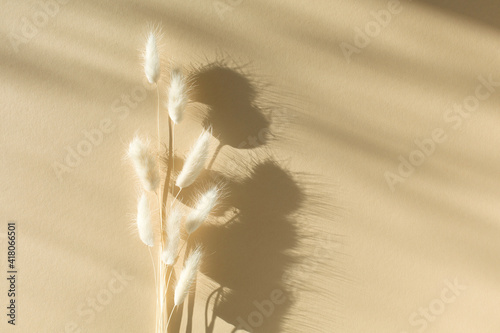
(322, 223)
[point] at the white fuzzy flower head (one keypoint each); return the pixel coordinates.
(204, 205)
(177, 96)
(151, 59)
(187, 276)
(195, 161)
(173, 236)
(144, 225)
(144, 163)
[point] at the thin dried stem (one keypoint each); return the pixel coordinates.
(154, 267)
(178, 253)
(169, 165)
(162, 214)
(173, 154)
(156, 284)
(170, 317)
(160, 206)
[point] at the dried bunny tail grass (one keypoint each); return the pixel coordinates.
(144, 163)
(151, 57)
(195, 161)
(144, 225)
(173, 236)
(177, 95)
(206, 202)
(187, 276)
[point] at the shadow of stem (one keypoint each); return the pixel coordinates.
(248, 253)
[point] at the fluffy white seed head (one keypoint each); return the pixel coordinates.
(144, 163)
(177, 95)
(195, 161)
(173, 236)
(151, 59)
(204, 205)
(187, 276)
(144, 225)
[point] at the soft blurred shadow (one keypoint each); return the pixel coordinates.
(482, 11)
(231, 109)
(252, 240)
(248, 253)
(249, 241)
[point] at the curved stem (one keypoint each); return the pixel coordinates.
(210, 328)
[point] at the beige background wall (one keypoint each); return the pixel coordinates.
(321, 222)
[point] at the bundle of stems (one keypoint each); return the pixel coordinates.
(166, 235)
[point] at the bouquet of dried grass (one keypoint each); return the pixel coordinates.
(165, 236)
